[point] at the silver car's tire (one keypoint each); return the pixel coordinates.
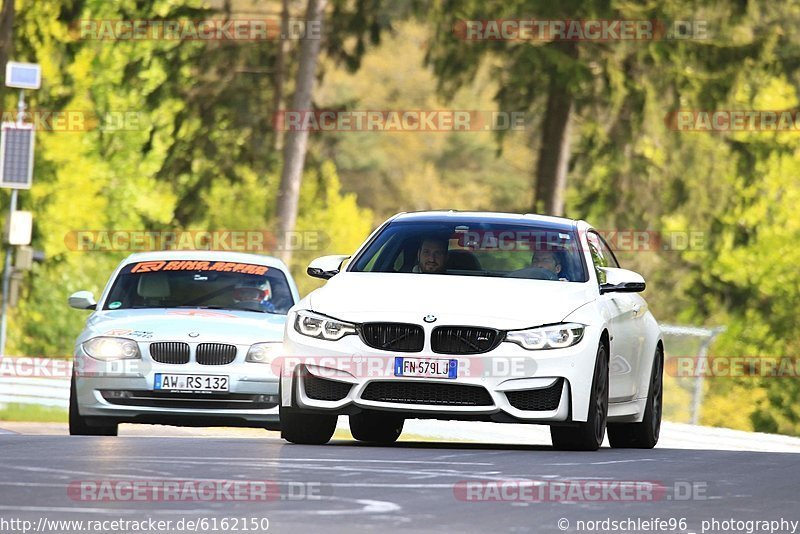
(78, 425)
(306, 428)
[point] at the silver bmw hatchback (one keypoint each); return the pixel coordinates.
(182, 338)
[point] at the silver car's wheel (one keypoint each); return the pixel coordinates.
(306, 428)
(78, 425)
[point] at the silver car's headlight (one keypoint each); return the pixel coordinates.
(111, 348)
(556, 336)
(263, 352)
(314, 325)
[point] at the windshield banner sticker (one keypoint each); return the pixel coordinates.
(154, 266)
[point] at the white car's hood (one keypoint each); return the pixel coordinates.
(504, 303)
(236, 327)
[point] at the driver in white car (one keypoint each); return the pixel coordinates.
(547, 259)
(431, 256)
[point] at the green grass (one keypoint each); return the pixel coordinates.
(32, 413)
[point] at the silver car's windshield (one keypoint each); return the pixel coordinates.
(201, 284)
(470, 248)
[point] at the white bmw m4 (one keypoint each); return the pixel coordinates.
(475, 316)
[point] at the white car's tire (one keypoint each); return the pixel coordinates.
(643, 435)
(376, 427)
(588, 436)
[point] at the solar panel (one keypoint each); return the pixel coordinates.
(16, 155)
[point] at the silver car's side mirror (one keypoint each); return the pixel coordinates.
(326, 267)
(620, 281)
(82, 300)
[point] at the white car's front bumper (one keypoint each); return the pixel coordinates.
(506, 384)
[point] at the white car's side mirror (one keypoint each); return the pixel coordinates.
(326, 266)
(613, 279)
(82, 300)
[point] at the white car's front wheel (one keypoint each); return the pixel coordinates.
(643, 435)
(588, 436)
(376, 427)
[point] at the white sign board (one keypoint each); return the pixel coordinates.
(20, 228)
(23, 75)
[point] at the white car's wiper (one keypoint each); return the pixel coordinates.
(229, 308)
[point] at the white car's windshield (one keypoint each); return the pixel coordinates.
(475, 249)
(202, 284)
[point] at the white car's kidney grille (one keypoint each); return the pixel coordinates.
(464, 339)
(537, 400)
(397, 337)
(215, 353)
(170, 352)
(427, 393)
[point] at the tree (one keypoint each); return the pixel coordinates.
(294, 153)
(6, 34)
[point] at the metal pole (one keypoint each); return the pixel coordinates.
(21, 107)
(7, 279)
(702, 357)
(697, 396)
(7, 269)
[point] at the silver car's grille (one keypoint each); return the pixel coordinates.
(216, 401)
(464, 339)
(215, 353)
(169, 352)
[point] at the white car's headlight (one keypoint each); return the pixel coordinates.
(111, 348)
(314, 325)
(556, 336)
(263, 352)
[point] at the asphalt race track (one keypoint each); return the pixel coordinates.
(413, 486)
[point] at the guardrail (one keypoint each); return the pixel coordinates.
(40, 381)
(45, 381)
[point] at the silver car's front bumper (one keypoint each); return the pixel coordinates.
(124, 391)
